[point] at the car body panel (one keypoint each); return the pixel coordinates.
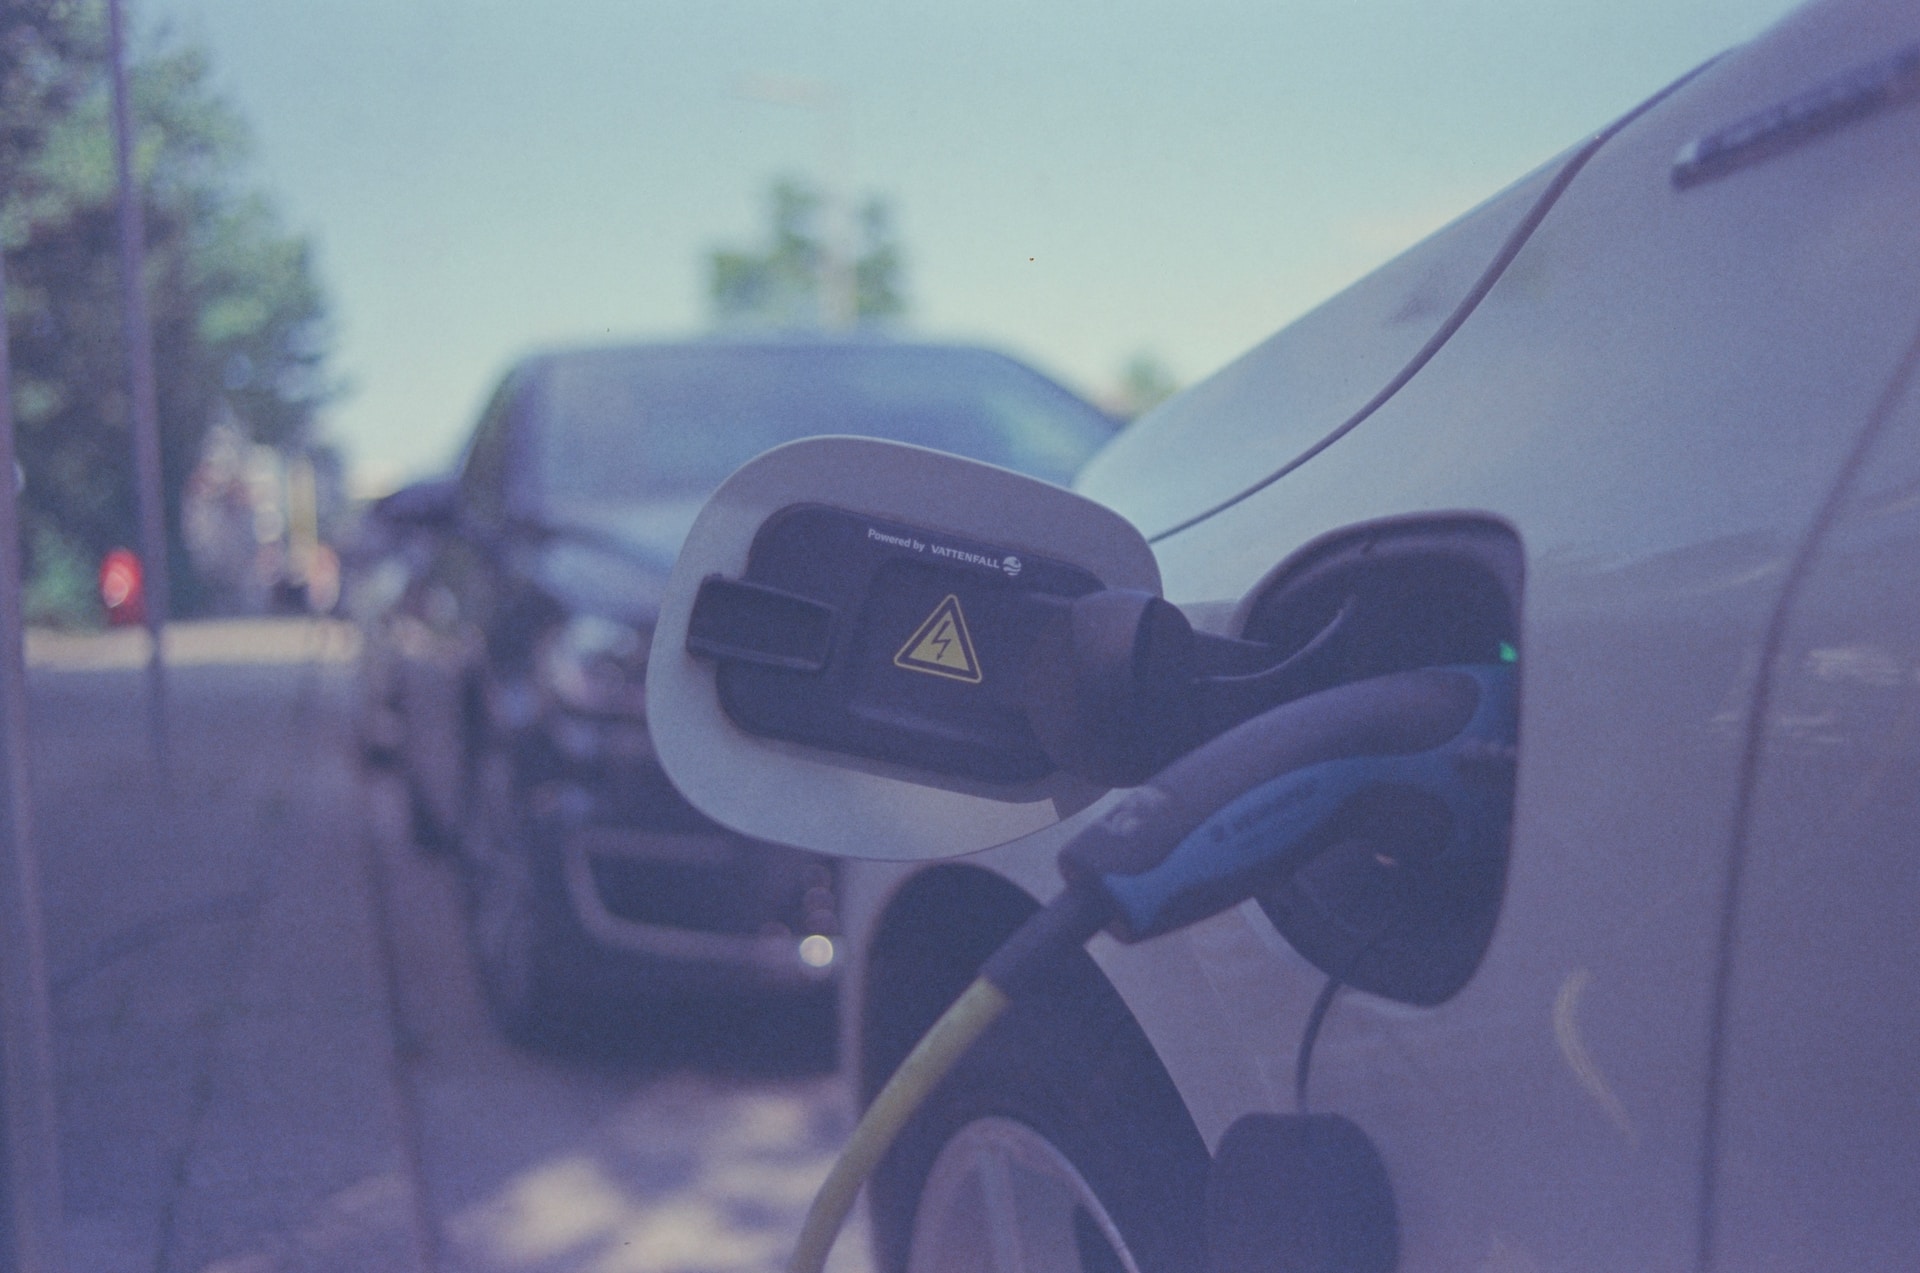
(1818, 1151)
(1658, 396)
(1284, 395)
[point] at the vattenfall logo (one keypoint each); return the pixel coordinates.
(1009, 564)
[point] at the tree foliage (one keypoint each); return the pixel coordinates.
(239, 322)
(791, 281)
(1145, 383)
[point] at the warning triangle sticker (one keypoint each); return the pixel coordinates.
(942, 645)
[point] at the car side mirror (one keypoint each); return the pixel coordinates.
(842, 655)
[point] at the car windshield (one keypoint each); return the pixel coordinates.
(618, 424)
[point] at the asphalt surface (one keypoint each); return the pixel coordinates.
(271, 1052)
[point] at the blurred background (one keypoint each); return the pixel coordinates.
(363, 210)
(273, 1052)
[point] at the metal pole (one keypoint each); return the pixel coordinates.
(138, 330)
(33, 1218)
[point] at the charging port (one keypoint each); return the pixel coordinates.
(881, 639)
(1378, 912)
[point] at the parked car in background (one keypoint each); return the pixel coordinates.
(520, 651)
(1641, 431)
(385, 556)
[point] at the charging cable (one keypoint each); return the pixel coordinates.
(1424, 756)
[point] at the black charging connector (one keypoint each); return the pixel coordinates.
(1119, 684)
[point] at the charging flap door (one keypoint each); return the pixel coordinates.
(842, 652)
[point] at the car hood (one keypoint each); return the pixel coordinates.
(614, 559)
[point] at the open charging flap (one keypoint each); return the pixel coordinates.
(842, 652)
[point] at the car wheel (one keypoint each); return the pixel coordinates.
(535, 967)
(1003, 1196)
(1059, 1143)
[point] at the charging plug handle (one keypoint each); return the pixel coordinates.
(1423, 759)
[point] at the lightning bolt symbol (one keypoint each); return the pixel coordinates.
(941, 645)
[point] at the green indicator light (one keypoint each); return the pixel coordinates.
(1508, 654)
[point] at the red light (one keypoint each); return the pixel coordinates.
(120, 587)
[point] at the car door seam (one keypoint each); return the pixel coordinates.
(1773, 641)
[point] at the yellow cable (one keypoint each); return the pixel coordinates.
(918, 1075)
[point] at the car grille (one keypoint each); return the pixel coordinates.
(748, 890)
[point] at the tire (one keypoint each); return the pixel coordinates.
(1059, 1133)
(542, 978)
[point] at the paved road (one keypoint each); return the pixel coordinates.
(272, 1055)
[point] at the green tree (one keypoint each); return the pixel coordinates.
(1145, 383)
(44, 49)
(790, 282)
(239, 322)
(878, 268)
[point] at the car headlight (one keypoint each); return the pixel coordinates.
(596, 666)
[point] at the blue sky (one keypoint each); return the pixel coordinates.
(1074, 181)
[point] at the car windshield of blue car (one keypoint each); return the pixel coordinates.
(622, 424)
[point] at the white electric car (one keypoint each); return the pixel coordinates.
(1644, 429)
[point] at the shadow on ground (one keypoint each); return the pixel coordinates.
(736, 1037)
